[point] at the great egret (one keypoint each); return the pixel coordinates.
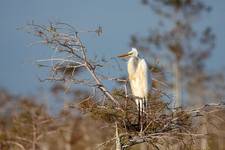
(139, 77)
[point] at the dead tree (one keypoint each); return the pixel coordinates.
(162, 125)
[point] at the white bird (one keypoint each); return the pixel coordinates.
(139, 77)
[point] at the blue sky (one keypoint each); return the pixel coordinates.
(119, 20)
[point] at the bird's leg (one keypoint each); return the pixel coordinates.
(142, 114)
(145, 105)
(139, 113)
(146, 109)
(141, 120)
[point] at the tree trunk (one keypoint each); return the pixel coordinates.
(177, 85)
(204, 142)
(118, 144)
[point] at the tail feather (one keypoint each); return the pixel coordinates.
(142, 104)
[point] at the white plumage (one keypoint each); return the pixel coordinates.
(139, 77)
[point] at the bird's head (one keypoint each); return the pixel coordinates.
(132, 53)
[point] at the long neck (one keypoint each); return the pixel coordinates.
(132, 65)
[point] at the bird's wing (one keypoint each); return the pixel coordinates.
(144, 77)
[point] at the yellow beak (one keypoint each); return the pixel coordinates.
(124, 55)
